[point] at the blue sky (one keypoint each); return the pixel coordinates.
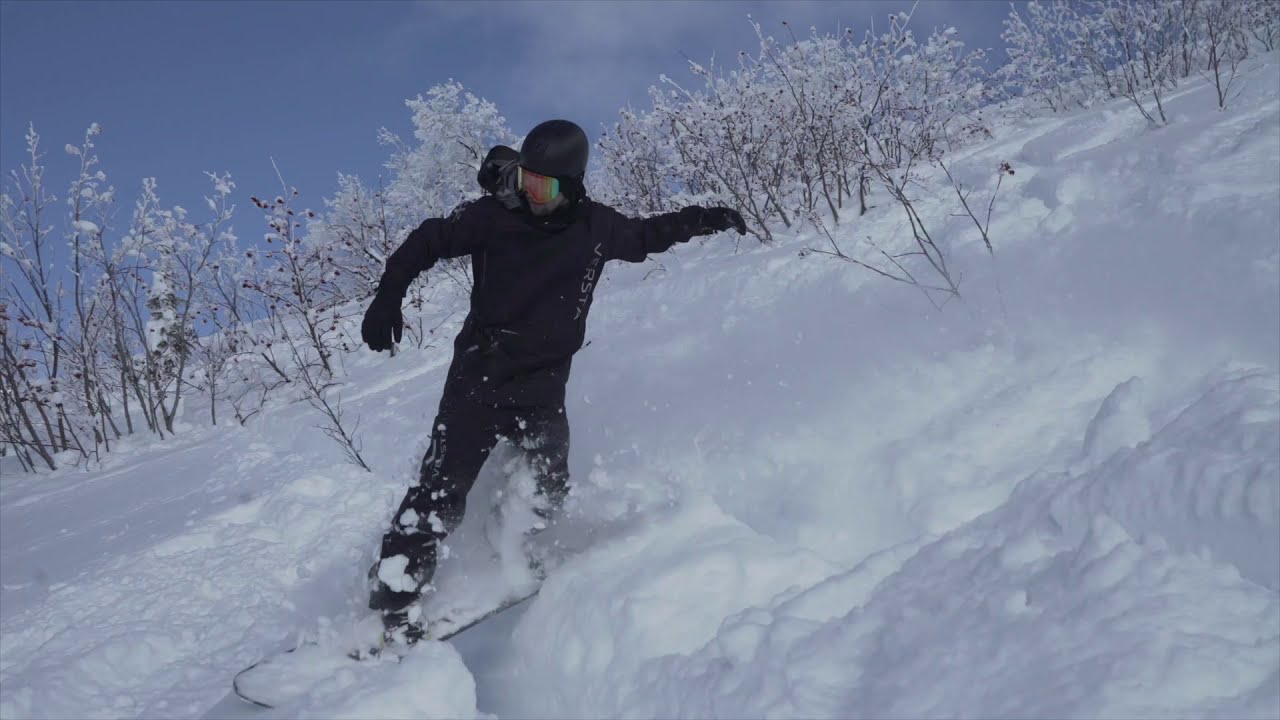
(184, 87)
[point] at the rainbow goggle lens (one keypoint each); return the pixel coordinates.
(539, 188)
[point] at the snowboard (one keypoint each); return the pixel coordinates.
(485, 571)
(290, 674)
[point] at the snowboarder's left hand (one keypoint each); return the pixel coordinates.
(717, 219)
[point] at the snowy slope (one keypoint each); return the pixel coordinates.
(799, 490)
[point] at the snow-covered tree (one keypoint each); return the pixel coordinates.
(362, 225)
(1225, 30)
(454, 130)
(34, 294)
(151, 286)
(90, 207)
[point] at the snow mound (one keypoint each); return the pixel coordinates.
(659, 590)
(1139, 588)
(430, 683)
(1208, 481)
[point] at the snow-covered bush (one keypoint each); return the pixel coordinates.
(1224, 29)
(363, 230)
(805, 131)
(797, 127)
(1070, 54)
(1042, 62)
(296, 275)
(112, 337)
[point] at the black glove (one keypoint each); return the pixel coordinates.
(499, 159)
(382, 321)
(717, 219)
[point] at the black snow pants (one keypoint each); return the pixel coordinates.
(465, 432)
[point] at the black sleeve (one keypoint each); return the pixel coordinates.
(435, 239)
(633, 239)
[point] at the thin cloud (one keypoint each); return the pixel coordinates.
(586, 60)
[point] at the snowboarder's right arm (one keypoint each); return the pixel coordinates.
(435, 239)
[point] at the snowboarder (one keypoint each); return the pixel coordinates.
(538, 245)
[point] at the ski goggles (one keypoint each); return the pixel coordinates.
(539, 188)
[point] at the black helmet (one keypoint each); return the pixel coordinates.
(557, 148)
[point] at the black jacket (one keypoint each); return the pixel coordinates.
(534, 280)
